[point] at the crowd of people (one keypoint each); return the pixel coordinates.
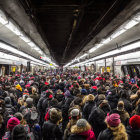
(69, 105)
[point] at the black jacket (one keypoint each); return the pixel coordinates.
(76, 137)
(105, 135)
(112, 100)
(96, 119)
(51, 131)
(133, 134)
(87, 109)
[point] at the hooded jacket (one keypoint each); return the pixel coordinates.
(114, 133)
(82, 133)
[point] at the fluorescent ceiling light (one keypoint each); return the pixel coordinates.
(13, 28)
(117, 33)
(3, 19)
(117, 51)
(25, 39)
(92, 49)
(31, 44)
(131, 24)
(105, 41)
(83, 56)
(11, 49)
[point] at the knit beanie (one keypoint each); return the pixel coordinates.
(81, 123)
(75, 112)
(12, 122)
(134, 122)
(67, 93)
(83, 92)
(29, 101)
(113, 120)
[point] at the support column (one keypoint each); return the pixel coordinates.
(113, 69)
(105, 65)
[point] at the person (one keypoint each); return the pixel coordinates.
(90, 103)
(51, 129)
(124, 116)
(12, 122)
(115, 129)
(133, 130)
(19, 133)
(75, 115)
(82, 131)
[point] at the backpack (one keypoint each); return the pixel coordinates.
(30, 115)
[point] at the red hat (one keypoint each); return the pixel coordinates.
(12, 122)
(134, 121)
(113, 120)
(46, 83)
(50, 96)
(94, 87)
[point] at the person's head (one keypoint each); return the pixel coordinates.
(134, 122)
(55, 115)
(75, 114)
(12, 122)
(29, 102)
(7, 100)
(113, 120)
(19, 133)
(120, 106)
(90, 98)
(81, 126)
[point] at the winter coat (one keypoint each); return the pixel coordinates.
(127, 105)
(113, 133)
(35, 98)
(133, 134)
(87, 109)
(65, 108)
(67, 131)
(112, 100)
(51, 131)
(59, 97)
(82, 133)
(96, 119)
(124, 116)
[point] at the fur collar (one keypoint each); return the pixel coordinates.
(76, 130)
(119, 132)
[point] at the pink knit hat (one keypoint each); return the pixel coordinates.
(113, 120)
(12, 122)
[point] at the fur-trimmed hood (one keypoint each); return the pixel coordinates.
(77, 130)
(119, 132)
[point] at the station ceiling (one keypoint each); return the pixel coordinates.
(63, 28)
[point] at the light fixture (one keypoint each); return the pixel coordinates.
(13, 28)
(117, 33)
(24, 38)
(105, 41)
(130, 24)
(31, 44)
(92, 49)
(114, 52)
